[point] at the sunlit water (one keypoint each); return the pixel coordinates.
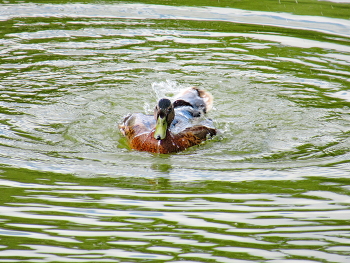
(272, 187)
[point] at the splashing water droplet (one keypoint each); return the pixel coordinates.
(158, 146)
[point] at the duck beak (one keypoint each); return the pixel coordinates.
(161, 127)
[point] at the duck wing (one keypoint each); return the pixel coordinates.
(197, 134)
(191, 106)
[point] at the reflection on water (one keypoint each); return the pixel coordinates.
(273, 187)
(69, 218)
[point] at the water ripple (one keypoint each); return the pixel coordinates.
(141, 11)
(273, 187)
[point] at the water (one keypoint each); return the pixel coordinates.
(273, 187)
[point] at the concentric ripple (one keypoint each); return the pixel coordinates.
(272, 187)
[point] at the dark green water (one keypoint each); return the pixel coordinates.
(273, 187)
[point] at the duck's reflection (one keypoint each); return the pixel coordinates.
(161, 167)
(162, 163)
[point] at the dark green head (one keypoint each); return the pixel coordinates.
(164, 115)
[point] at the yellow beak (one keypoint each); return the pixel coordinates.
(161, 127)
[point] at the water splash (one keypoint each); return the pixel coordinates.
(174, 142)
(158, 146)
(166, 88)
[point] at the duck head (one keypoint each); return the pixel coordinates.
(164, 115)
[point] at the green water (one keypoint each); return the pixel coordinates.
(272, 187)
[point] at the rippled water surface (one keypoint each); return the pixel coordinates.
(272, 187)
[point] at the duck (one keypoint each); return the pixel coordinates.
(175, 125)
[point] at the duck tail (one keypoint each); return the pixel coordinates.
(207, 97)
(190, 96)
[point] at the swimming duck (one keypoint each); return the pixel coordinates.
(174, 127)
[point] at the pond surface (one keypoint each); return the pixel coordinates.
(272, 187)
